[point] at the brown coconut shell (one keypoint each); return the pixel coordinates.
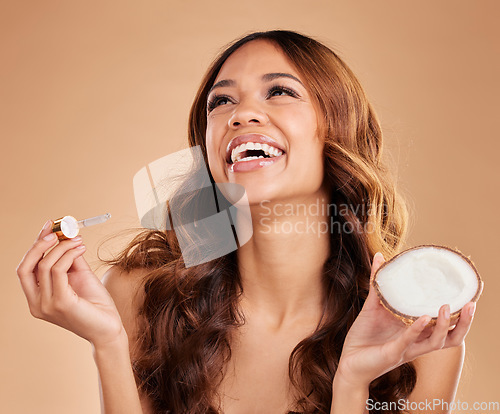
(409, 319)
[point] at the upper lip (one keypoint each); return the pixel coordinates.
(241, 139)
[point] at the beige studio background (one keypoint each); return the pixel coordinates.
(93, 91)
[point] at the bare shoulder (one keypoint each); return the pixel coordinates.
(126, 290)
(438, 374)
(122, 284)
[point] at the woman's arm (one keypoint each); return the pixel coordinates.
(117, 385)
(62, 289)
(432, 390)
(378, 343)
(438, 375)
(116, 380)
(347, 397)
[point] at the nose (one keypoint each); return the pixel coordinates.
(247, 114)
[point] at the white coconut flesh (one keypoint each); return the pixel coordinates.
(419, 281)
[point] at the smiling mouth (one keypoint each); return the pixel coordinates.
(251, 151)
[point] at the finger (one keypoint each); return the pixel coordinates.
(410, 335)
(438, 337)
(458, 334)
(59, 272)
(26, 268)
(45, 265)
(426, 333)
(373, 301)
(378, 260)
(80, 264)
(46, 229)
(35, 253)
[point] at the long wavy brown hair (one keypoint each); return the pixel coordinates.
(188, 314)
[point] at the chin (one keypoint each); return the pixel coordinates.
(257, 197)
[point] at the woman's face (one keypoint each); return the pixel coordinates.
(258, 97)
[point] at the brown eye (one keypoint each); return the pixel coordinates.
(216, 101)
(278, 90)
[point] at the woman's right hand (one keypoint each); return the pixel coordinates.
(62, 289)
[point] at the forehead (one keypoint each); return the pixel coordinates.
(254, 59)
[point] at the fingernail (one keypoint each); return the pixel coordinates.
(46, 225)
(50, 236)
(447, 312)
(472, 309)
(379, 255)
(425, 321)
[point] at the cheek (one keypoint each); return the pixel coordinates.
(214, 132)
(306, 145)
(211, 139)
(213, 144)
(214, 164)
(299, 120)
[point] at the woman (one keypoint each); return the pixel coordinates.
(288, 322)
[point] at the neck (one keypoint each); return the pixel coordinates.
(281, 266)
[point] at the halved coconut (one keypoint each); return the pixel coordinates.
(418, 281)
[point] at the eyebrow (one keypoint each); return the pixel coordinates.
(266, 78)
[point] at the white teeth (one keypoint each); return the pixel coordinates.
(268, 150)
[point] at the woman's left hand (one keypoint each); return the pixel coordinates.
(379, 342)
